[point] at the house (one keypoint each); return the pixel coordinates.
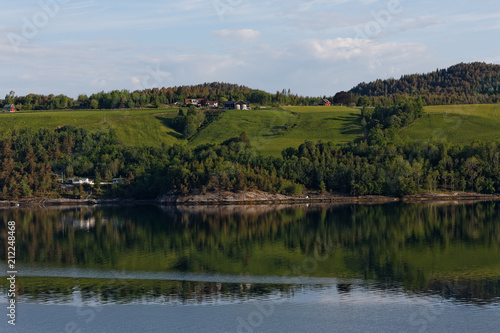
(325, 102)
(210, 104)
(81, 181)
(201, 102)
(194, 101)
(9, 108)
(238, 105)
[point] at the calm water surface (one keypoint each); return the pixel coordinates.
(323, 268)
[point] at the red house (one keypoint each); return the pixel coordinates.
(9, 108)
(326, 102)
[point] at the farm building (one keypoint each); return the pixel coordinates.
(325, 102)
(210, 104)
(193, 101)
(238, 105)
(9, 108)
(201, 102)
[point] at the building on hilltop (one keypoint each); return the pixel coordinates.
(193, 101)
(199, 102)
(210, 104)
(237, 105)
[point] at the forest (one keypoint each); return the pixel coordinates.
(473, 83)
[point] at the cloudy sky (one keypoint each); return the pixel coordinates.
(312, 47)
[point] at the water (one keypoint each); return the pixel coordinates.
(311, 268)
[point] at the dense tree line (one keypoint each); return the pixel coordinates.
(460, 84)
(157, 97)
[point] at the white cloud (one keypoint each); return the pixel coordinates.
(243, 35)
(421, 22)
(351, 48)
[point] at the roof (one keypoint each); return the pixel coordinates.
(236, 102)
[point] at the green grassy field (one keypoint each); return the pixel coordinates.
(133, 127)
(272, 131)
(459, 124)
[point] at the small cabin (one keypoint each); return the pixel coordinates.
(9, 108)
(237, 105)
(326, 102)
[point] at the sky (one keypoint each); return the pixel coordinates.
(312, 47)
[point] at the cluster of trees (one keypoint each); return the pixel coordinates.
(387, 121)
(38, 102)
(157, 97)
(460, 84)
(188, 123)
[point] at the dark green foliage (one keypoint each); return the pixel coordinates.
(156, 97)
(384, 122)
(460, 84)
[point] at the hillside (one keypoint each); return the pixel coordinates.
(458, 124)
(269, 131)
(465, 83)
(272, 131)
(132, 127)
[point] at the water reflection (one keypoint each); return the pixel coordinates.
(450, 250)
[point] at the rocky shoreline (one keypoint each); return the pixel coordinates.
(256, 198)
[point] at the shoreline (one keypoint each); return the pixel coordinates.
(255, 198)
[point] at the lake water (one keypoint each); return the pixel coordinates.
(311, 268)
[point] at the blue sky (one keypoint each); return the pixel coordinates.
(312, 47)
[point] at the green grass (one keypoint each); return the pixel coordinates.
(133, 127)
(458, 124)
(271, 131)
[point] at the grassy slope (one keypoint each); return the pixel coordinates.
(459, 124)
(269, 131)
(272, 131)
(133, 127)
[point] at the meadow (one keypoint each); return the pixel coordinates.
(458, 124)
(269, 130)
(133, 127)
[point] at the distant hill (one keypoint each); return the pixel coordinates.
(156, 97)
(465, 83)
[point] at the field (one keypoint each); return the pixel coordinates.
(270, 131)
(459, 124)
(133, 127)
